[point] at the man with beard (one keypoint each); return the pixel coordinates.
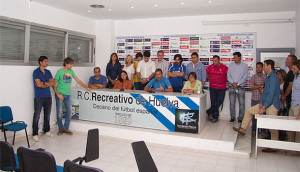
(176, 73)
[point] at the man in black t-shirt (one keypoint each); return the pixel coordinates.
(288, 81)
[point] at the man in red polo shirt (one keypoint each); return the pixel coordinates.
(217, 75)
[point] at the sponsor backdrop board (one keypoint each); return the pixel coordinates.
(172, 112)
(206, 45)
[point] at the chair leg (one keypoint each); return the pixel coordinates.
(4, 135)
(27, 138)
(14, 137)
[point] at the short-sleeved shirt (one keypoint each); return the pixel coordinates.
(43, 77)
(129, 70)
(64, 80)
(164, 82)
(176, 81)
(146, 68)
(102, 80)
(136, 79)
(258, 80)
(217, 76)
(289, 78)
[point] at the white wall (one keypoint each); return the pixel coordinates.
(16, 87)
(298, 31)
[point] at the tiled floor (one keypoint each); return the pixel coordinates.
(116, 156)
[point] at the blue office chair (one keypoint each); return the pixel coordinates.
(7, 116)
(37, 161)
(8, 158)
(70, 166)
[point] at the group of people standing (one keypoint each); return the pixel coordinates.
(158, 75)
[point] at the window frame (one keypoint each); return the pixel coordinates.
(27, 25)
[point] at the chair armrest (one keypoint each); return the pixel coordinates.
(21, 121)
(80, 159)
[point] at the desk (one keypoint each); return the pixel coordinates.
(160, 110)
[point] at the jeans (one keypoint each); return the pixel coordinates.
(39, 103)
(253, 103)
(240, 93)
(68, 104)
(177, 89)
(216, 99)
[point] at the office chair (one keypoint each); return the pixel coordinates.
(37, 161)
(143, 157)
(70, 166)
(92, 147)
(6, 116)
(8, 158)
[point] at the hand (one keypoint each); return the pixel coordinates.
(191, 91)
(61, 97)
(261, 111)
(235, 85)
(160, 88)
(51, 82)
(261, 90)
(113, 82)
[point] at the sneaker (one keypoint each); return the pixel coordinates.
(60, 132)
(49, 134)
(232, 120)
(214, 120)
(68, 132)
(35, 138)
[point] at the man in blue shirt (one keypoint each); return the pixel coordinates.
(42, 81)
(237, 75)
(269, 102)
(295, 104)
(197, 67)
(98, 80)
(176, 73)
(159, 83)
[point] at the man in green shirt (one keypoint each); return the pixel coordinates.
(63, 78)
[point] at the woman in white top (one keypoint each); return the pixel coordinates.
(129, 67)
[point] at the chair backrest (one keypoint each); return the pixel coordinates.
(35, 160)
(92, 145)
(143, 157)
(5, 114)
(7, 156)
(70, 166)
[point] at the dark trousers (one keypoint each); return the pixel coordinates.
(40, 103)
(142, 86)
(137, 85)
(177, 89)
(216, 99)
(109, 84)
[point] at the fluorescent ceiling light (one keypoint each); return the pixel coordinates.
(287, 20)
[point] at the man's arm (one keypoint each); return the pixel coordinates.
(95, 86)
(269, 93)
(288, 89)
(60, 96)
(245, 75)
(151, 76)
(255, 87)
(82, 84)
(40, 84)
(169, 89)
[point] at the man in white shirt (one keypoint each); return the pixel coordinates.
(162, 64)
(145, 70)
